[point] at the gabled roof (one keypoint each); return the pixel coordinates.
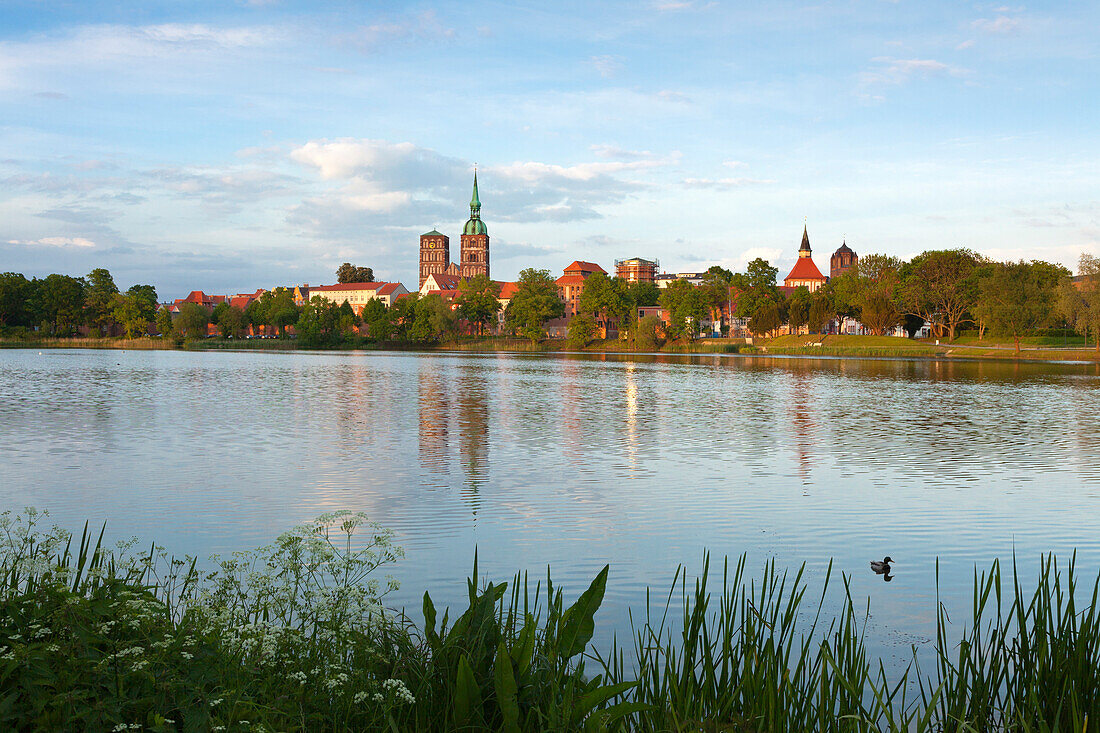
(570, 280)
(388, 288)
(240, 301)
(507, 290)
(805, 269)
(445, 281)
(346, 286)
(582, 266)
(433, 233)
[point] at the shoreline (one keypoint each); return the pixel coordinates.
(831, 347)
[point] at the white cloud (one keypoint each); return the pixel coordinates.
(1000, 24)
(965, 45)
(724, 184)
(892, 71)
(54, 242)
(606, 65)
(422, 26)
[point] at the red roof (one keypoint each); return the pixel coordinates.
(570, 280)
(445, 281)
(240, 301)
(805, 269)
(582, 266)
(387, 288)
(507, 290)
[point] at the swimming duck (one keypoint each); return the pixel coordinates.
(883, 567)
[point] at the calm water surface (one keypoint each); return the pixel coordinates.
(575, 461)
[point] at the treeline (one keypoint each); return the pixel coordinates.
(59, 305)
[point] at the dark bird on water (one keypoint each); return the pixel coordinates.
(882, 568)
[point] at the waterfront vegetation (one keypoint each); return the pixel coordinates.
(295, 636)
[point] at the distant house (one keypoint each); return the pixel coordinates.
(663, 280)
(636, 270)
(804, 274)
(358, 294)
(571, 283)
(439, 281)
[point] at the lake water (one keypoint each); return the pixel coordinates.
(575, 461)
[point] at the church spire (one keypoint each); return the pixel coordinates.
(475, 202)
(804, 250)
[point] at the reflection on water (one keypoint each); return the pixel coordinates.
(575, 461)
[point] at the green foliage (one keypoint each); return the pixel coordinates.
(276, 309)
(1017, 297)
(940, 286)
(765, 316)
(433, 321)
(645, 334)
(61, 303)
(16, 300)
(604, 299)
(535, 302)
(869, 292)
(477, 300)
(99, 302)
(375, 316)
(231, 321)
(685, 307)
(294, 637)
(1079, 303)
(798, 308)
(642, 295)
(582, 329)
(324, 324)
(349, 273)
(164, 322)
(821, 311)
(192, 320)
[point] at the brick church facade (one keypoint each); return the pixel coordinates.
(435, 248)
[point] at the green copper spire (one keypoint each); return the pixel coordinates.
(475, 225)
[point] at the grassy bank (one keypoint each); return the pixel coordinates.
(294, 637)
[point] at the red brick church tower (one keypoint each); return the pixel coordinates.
(474, 258)
(435, 254)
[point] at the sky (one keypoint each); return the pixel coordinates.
(228, 146)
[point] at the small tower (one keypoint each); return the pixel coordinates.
(474, 256)
(804, 274)
(435, 254)
(843, 259)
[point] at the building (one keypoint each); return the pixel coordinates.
(475, 241)
(571, 283)
(843, 259)
(435, 255)
(437, 282)
(695, 278)
(804, 274)
(435, 248)
(358, 294)
(636, 270)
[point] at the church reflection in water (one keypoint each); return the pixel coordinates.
(442, 412)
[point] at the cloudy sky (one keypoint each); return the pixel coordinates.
(228, 146)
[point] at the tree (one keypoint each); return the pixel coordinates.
(192, 320)
(61, 302)
(821, 311)
(1079, 302)
(641, 295)
(132, 312)
(582, 327)
(375, 317)
(870, 290)
(99, 301)
(645, 334)
(535, 302)
(231, 321)
(685, 308)
(940, 287)
(478, 300)
(604, 299)
(164, 322)
(16, 300)
(765, 317)
(1018, 297)
(349, 273)
(277, 309)
(798, 308)
(219, 310)
(434, 319)
(715, 291)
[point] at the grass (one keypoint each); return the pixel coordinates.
(294, 637)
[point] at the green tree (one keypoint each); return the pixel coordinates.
(645, 334)
(16, 300)
(402, 315)
(870, 290)
(231, 321)
(798, 308)
(1079, 302)
(715, 291)
(277, 309)
(642, 295)
(130, 312)
(375, 317)
(61, 302)
(604, 299)
(765, 317)
(1018, 297)
(685, 308)
(478, 300)
(99, 301)
(582, 329)
(821, 311)
(349, 273)
(192, 320)
(940, 286)
(164, 322)
(535, 302)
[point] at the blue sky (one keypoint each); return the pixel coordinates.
(228, 146)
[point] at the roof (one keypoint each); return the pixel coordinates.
(445, 281)
(240, 301)
(805, 269)
(570, 280)
(844, 249)
(507, 290)
(474, 225)
(582, 266)
(388, 288)
(805, 240)
(433, 233)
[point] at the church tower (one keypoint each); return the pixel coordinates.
(435, 254)
(474, 257)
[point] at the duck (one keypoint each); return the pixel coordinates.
(882, 568)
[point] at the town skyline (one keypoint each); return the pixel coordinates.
(233, 147)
